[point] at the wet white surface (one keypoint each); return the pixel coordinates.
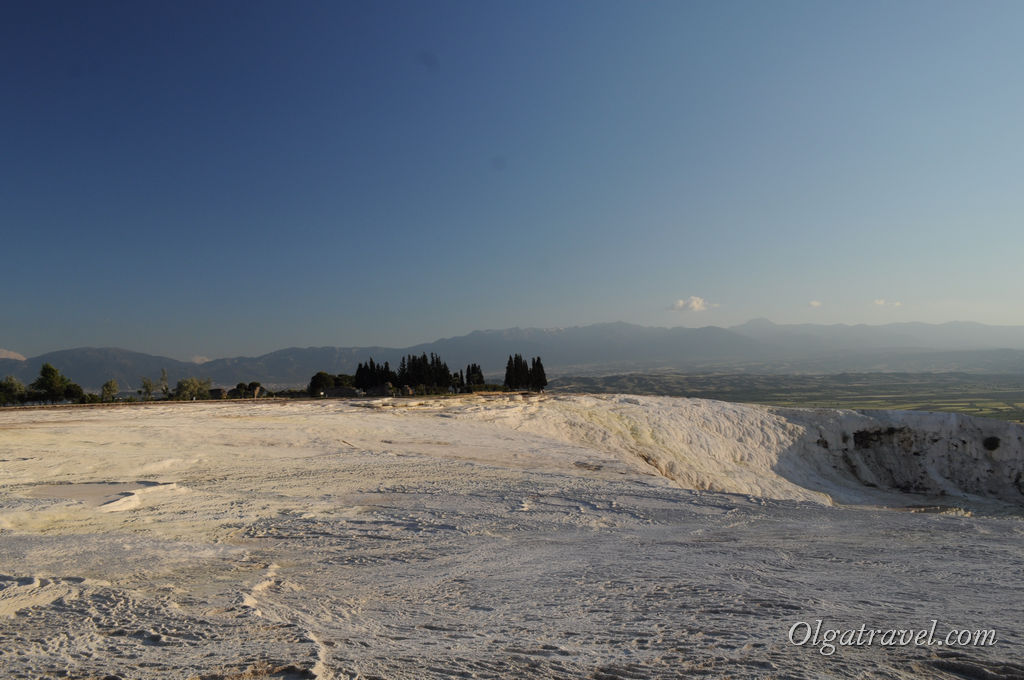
(574, 537)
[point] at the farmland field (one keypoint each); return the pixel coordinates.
(987, 396)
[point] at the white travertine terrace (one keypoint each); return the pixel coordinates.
(501, 536)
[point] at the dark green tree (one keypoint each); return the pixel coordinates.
(109, 390)
(12, 391)
(320, 383)
(74, 393)
(165, 387)
(426, 374)
(148, 387)
(522, 373)
(371, 375)
(538, 380)
(51, 384)
(474, 375)
(517, 373)
(190, 389)
(510, 374)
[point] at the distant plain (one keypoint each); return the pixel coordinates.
(986, 396)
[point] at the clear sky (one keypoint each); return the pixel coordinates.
(223, 178)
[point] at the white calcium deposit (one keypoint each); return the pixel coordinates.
(800, 454)
(503, 537)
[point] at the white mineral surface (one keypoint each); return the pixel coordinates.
(603, 537)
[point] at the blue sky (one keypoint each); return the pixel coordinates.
(225, 178)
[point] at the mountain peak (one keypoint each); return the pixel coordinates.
(757, 323)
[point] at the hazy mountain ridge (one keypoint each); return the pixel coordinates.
(953, 335)
(756, 346)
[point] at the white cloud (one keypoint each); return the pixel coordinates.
(814, 303)
(200, 359)
(692, 304)
(882, 302)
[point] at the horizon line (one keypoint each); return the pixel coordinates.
(194, 359)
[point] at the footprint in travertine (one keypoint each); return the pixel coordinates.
(18, 593)
(108, 496)
(249, 599)
(271, 582)
(152, 492)
(270, 579)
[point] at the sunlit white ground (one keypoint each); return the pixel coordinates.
(501, 537)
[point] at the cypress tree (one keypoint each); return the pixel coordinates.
(510, 373)
(474, 375)
(538, 380)
(522, 373)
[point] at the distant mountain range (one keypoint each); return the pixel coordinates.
(758, 346)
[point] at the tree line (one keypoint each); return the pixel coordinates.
(522, 376)
(425, 374)
(421, 374)
(51, 386)
(428, 375)
(54, 387)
